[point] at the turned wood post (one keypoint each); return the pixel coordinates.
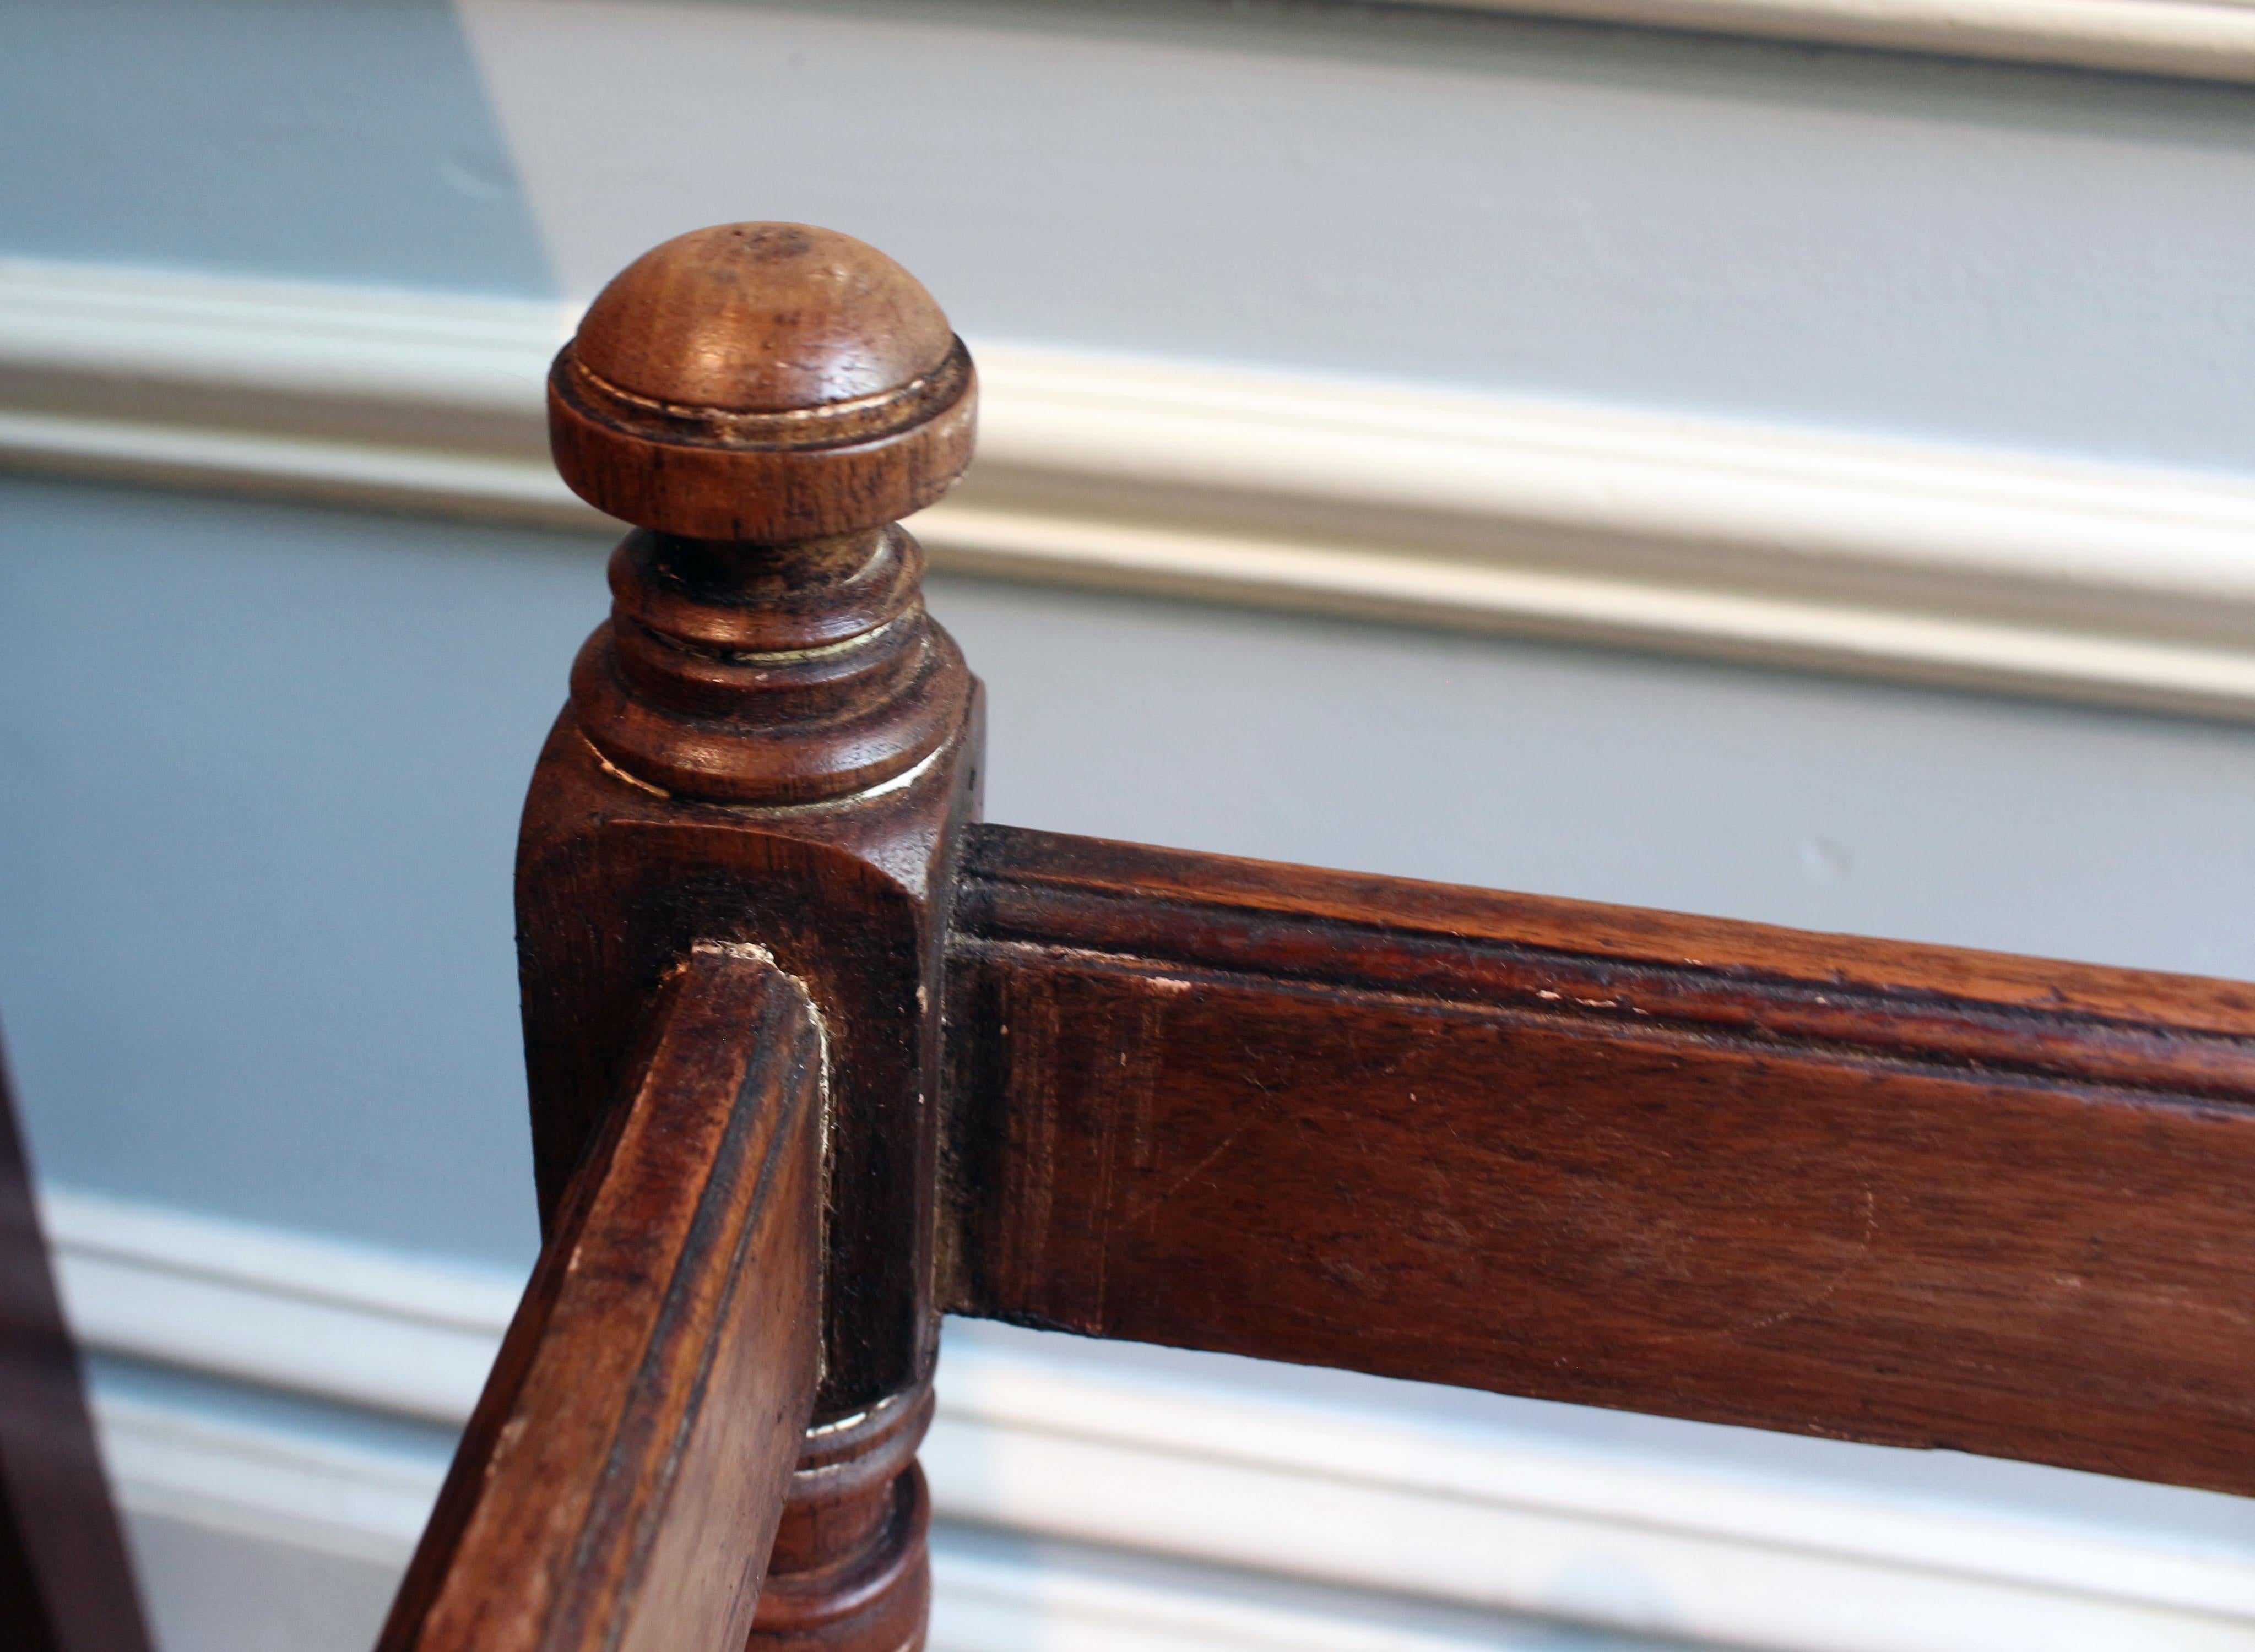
(769, 744)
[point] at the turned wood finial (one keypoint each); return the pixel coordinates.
(762, 381)
(763, 400)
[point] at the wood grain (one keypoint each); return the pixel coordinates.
(65, 1583)
(850, 1571)
(771, 744)
(1885, 1192)
(765, 382)
(768, 743)
(621, 1482)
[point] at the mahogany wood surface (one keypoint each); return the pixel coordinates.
(621, 1482)
(771, 744)
(65, 1583)
(850, 1571)
(1707, 1169)
(763, 383)
(1885, 1192)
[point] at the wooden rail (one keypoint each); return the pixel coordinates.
(1713, 1169)
(1911, 1195)
(621, 1483)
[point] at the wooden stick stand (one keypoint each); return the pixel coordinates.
(1855, 1188)
(771, 744)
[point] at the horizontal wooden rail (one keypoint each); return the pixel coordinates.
(1885, 1192)
(621, 1482)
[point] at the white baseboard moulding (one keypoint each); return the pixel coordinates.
(287, 1491)
(2213, 40)
(2103, 583)
(1106, 1500)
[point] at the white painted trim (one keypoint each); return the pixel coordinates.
(2036, 575)
(1063, 1444)
(240, 1302)
(1063, 1599)
(286, 1486)
(172, 331)
(330, 470)
(2213, 41)
(292, 1490)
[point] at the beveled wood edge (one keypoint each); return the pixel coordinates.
(998, 857)
(567, 1506)
(1171, 940)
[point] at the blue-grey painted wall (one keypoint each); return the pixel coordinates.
(1984, 252)
(260, 764)
(262, 761)
(2026, 257)
(340, 140)
(263, 765)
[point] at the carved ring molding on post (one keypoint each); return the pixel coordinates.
(764, 401)
(771, 743)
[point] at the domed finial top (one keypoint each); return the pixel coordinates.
(763, 318)
(765, 383)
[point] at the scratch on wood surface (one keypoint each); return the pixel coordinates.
(1831, 1286)
(1030, 1021)
(1141, 1061)
(1158, 1201)
(1119, 1102)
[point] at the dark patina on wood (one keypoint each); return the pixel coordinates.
(771, 744)
(1706, 1169)
(1911, 1195)
(619, 1487)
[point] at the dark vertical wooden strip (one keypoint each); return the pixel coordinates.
(64, 1582)
(620, 1485)
(1891, 1193)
